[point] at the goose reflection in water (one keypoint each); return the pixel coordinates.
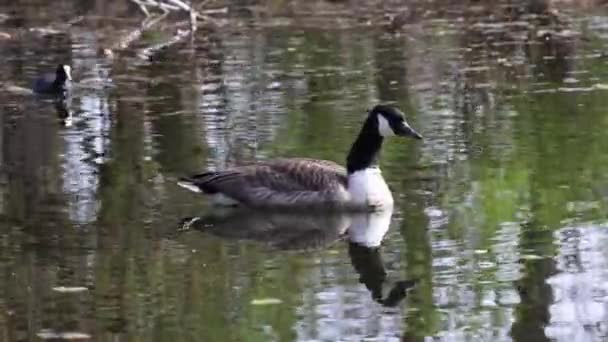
(364, 233)
(64, 113)
(365, 236)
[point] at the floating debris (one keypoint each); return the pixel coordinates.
(476, 69)
(531, 257)
(433, 212)
(70, 289)
(48, 334)
(575, 89)
(580, 206)
(15, 89)
(486, 264)
(44, 31)
(266, 301)
(600, 86)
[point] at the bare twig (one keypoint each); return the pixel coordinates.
(222, 10)
(142, 7)
(163, 6)
(180, 4)
(76, 20)
(166, 6)
(134, 35)
(192, 18)
(149, 51)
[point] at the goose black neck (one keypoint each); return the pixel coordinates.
(365, 150)
(60, 79)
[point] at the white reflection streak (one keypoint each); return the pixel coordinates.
(580, 306)
(80, 178)
(224, 112)
(84, 139)
(331, 311)
(244, 105)
(336, 310)
(473, 287)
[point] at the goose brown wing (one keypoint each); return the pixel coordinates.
(277, 182)
(308, 174)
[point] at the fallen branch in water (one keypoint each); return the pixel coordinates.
(151, 9)
(146, 53)
(165, 7)
(134, 35)
(142, 7)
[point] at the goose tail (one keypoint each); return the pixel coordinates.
(189, 184)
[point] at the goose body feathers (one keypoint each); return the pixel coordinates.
(56, 83)
(312, 183)
(277, 183)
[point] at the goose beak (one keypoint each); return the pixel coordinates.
(405, 130)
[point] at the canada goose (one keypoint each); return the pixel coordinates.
(56, 83)
(309, 183)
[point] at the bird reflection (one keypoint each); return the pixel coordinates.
(365, 235)
(297, 231)
(63, 111)
(283, 231)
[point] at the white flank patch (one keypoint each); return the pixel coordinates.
(68, 71)
(368, 187)
(384, 128)
(189, 186)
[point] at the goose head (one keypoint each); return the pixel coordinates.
(390, 121)
(382, 122)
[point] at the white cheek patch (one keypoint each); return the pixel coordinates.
(68, 72)
(384, 128)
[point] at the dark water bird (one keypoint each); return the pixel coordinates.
(310, 183)
(57, 83)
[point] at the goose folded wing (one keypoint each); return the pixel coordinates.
(277, 183)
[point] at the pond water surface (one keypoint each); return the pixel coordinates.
(500, 215)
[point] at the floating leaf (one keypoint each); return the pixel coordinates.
(47, 334)
(266, 301)
(69, 289)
